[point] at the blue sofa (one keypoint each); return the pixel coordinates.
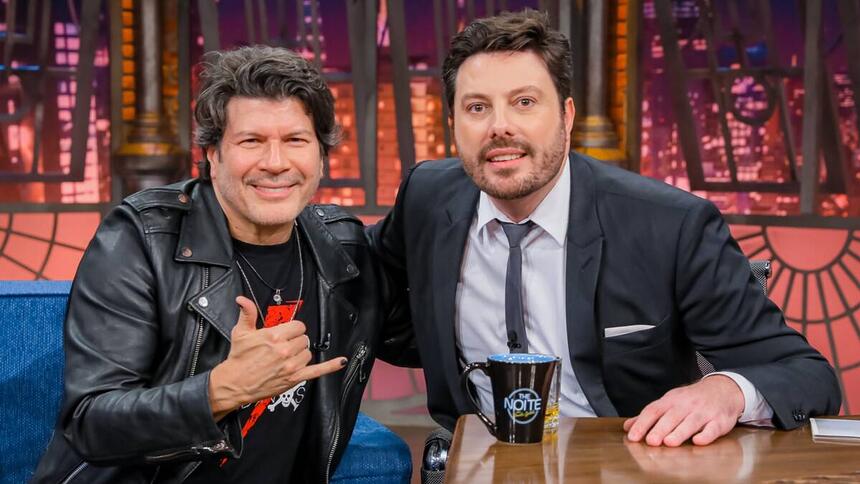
(31, 382)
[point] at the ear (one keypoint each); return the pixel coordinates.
(569, 114)
(213, 155)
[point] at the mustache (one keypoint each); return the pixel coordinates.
(287, 178)
(505, 143)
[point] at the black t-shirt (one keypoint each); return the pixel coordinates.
(272, 428)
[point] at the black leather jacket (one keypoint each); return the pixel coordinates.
(150, 313)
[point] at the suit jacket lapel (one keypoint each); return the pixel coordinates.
(584, 252)
(449, 244)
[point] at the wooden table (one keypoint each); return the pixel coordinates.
(596, 450)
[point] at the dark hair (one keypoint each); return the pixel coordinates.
(528, 30)
(261, 72)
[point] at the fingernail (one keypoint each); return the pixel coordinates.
(343, 361)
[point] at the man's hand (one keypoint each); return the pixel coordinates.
(705, 410)
(262, 362)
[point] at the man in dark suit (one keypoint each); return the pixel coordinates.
(518, 246)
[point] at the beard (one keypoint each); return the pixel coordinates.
(505, 184)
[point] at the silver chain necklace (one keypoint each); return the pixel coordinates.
(277, 296)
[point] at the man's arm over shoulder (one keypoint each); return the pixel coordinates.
(395, 342)
(425, 186)
(388, 247)
(112, 413)
(737, 328)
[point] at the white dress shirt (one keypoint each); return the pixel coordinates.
(480, 309)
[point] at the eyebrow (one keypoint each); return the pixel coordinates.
(296, 132)
(528, 88)
(519, 90)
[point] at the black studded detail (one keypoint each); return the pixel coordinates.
(320, 212)
(323, 344)
(183, 198)
(186, 252)
(350, 269)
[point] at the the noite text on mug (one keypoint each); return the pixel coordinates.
(523, 405)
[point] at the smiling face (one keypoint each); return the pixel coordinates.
(510, 129)
(267, 167)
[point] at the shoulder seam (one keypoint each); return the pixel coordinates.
(329, 213)
(159, 197)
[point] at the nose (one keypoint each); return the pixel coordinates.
(500, 125)
(273, 159)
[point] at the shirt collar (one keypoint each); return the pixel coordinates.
(551, 214)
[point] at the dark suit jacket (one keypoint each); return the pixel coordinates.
(638, 252)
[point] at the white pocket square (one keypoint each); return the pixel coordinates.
(619, 330)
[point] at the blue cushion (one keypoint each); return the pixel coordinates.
(31, 384)
(31, 371)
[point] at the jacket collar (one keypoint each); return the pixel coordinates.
(584, 226)
(334, 264)
(462, 206)
(204, 237)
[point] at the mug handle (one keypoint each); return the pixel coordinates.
(464, 381)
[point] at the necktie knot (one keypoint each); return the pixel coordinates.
(516, 232)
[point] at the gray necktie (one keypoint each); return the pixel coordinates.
(517, 340)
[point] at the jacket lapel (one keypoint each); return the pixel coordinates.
(584, 252)
(449, 244)
(217, 303)
(204, 239)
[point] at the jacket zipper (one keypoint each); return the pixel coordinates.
(74, 473)
(354, 364)
(198, 339)
(218, 447)
(198, 344)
